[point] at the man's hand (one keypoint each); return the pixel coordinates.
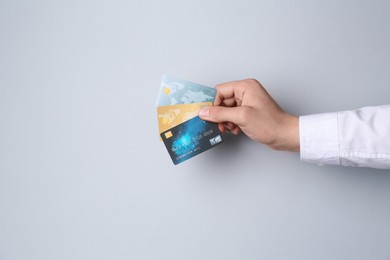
(245, 105)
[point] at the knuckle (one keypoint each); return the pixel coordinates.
(252, 81)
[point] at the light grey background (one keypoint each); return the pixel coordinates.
(84, 176)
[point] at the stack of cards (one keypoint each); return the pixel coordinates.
(182, 131)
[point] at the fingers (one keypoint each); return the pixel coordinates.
(228, 91)
(229, 102)
(236, 131)
(232, 128)
(219, 114)
(227, 110)
(228, 126)
(221, 127)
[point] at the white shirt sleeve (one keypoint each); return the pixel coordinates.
(350, 138)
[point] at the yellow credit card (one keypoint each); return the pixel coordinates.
(171, 116)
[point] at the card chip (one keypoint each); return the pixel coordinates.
(168, 134)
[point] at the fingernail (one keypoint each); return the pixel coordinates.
(204, 111)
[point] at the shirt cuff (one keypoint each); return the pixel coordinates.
(318, 136)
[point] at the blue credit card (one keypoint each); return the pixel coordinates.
(190, 138)
(175, 91)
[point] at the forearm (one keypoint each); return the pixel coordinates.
(350, 138)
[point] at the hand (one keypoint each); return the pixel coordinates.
(245, 105)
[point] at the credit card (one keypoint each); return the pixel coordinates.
(170, 116)
(190, 138)
(175, 91)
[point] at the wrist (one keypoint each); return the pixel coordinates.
(288, 134)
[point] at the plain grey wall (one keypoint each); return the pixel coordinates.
(84, 176)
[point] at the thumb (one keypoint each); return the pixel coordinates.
(219, 114)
